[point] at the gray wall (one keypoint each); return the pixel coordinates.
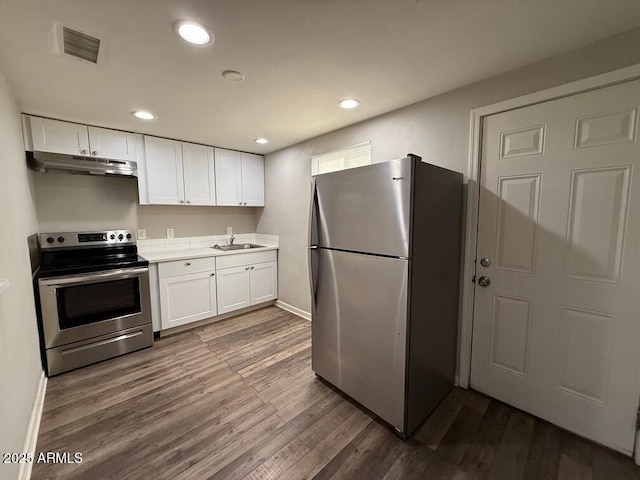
(20, 367)
(67, 202)
(437, 129)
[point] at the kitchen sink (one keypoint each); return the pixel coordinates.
(239, 246)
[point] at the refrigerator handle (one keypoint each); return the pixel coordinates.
(313, 246)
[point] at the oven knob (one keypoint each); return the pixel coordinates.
(61, 239)
(128, 236)
(50, 240)
(112, 236)
(120, 237)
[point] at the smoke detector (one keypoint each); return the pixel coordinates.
(75, 43)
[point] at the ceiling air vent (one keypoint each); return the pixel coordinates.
(79, 45)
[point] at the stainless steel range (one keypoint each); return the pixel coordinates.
(94, 298)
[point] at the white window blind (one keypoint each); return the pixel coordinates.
(342, 159)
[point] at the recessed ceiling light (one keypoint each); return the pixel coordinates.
(143, 115)
(348, 103)
(194, 33)
(261, 140)
(233, 76)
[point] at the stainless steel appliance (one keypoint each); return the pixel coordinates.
(384, 260)
(94, 298)
(57, 162)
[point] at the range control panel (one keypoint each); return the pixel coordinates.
(76, 239)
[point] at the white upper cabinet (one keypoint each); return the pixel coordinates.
(228, 177)
(239, 178)
(199, 181)
(59, 137)
(252, 180)
(112, 144)
(177, 173)
(74, 139)
(164, 173)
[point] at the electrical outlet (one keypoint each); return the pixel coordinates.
(169, 232)
(142, 234)
(229, 231)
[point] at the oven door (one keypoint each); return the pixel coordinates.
(79, 307)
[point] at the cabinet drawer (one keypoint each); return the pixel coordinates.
(230, 261)
(188, 265)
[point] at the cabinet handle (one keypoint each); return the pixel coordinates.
(94, 153)
(246, 268)
(245, 203)
(187, 263)
(83, 152)
(240, 203)
(188, 201)
(252, 267)
(213, 274)
(181, 201)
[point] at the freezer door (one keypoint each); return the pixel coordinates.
(359, 329)
(365, 209)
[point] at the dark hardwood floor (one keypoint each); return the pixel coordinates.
(238, 399)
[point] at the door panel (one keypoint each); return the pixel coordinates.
(187, 298)
(228, 177)
(59, 137)
(199, 179)
(264, 282)
(233, 289)
(359, 329)
(252, 180)
(557, 330)
(366, 209)
(164, 169)
(112, 144)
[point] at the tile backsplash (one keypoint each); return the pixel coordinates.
(186, 243)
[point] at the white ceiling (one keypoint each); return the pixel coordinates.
(299, 57)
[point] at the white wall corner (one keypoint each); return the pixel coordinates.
(31, 438)
(294, 310)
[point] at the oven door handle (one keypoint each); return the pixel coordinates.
(86, 278)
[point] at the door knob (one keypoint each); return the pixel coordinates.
(484, 281)
(485, 262)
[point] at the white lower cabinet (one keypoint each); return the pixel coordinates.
(233, 289)
(201, 288)
(187, 297)
(246, 280)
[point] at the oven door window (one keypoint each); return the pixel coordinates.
(96, 302)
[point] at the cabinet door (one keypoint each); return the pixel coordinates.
(264, 282)
(228, 177)
(252, 180)
(112, 144)
(233, 289)
(187, 298)
(59, 137)
(164, 171)
(199, 182)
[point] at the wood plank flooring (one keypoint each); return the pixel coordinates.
(237, 399)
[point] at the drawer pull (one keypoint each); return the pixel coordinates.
(187, 263)
(252, 267)
(246, 268)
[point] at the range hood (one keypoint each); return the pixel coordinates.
(46, 162)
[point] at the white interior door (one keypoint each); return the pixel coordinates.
(557, 330)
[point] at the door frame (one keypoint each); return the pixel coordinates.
(473, 193)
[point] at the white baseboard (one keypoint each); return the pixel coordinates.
(31, 439)
(294, 310)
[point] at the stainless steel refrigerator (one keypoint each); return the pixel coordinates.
(384, 261)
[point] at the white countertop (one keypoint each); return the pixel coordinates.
(168, 255)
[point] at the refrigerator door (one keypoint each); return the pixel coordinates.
(365, 209)
(359, 329)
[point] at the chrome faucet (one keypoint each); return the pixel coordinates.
(231, 239)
